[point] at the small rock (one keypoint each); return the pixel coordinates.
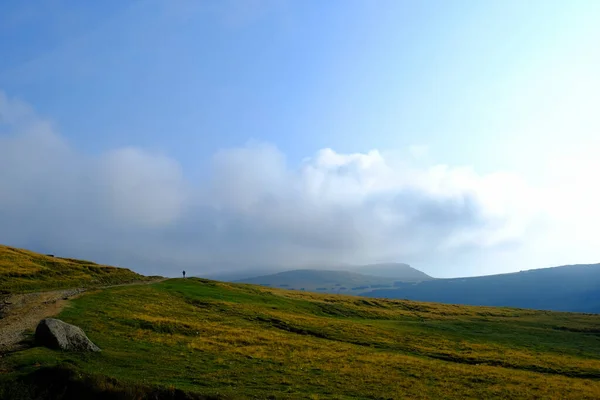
(56, 334)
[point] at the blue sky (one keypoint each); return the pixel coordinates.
(207, 103)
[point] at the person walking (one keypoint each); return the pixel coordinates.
(183, 274)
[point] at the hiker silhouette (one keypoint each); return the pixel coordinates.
(184, 274)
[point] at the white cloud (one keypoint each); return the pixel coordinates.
(418, 151)
(134, 208)
(141, 188)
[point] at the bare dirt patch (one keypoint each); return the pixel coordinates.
(22, 312)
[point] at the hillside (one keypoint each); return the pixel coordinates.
(322, 281)
(23, 270)
(391, 271)
(196, 338)
(567, 288)
(398, 271)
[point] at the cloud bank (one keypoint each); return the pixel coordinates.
(135, 208)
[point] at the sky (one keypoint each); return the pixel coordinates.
(460, 137)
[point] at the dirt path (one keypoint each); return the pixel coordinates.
(22, 312)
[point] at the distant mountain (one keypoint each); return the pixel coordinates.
(565, 288)
(235, 276)
(398, 271)
(325, 281)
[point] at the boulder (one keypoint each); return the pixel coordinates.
(56, 334)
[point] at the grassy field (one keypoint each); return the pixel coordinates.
(26, 271)
(195, 338)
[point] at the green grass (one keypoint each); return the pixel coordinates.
(26, 271)
(220, 340)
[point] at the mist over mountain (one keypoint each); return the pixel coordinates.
(566, 288)
(328, 279)
(325, 281)
(237, 275)
(400, 271)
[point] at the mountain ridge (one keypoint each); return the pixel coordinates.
(331, 281)
(399, 271)
(574, 288)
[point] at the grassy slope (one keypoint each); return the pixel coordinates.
(26, 271)
(243, 341)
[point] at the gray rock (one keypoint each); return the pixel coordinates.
(56, 334)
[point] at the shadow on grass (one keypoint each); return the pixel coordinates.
(63, 383)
